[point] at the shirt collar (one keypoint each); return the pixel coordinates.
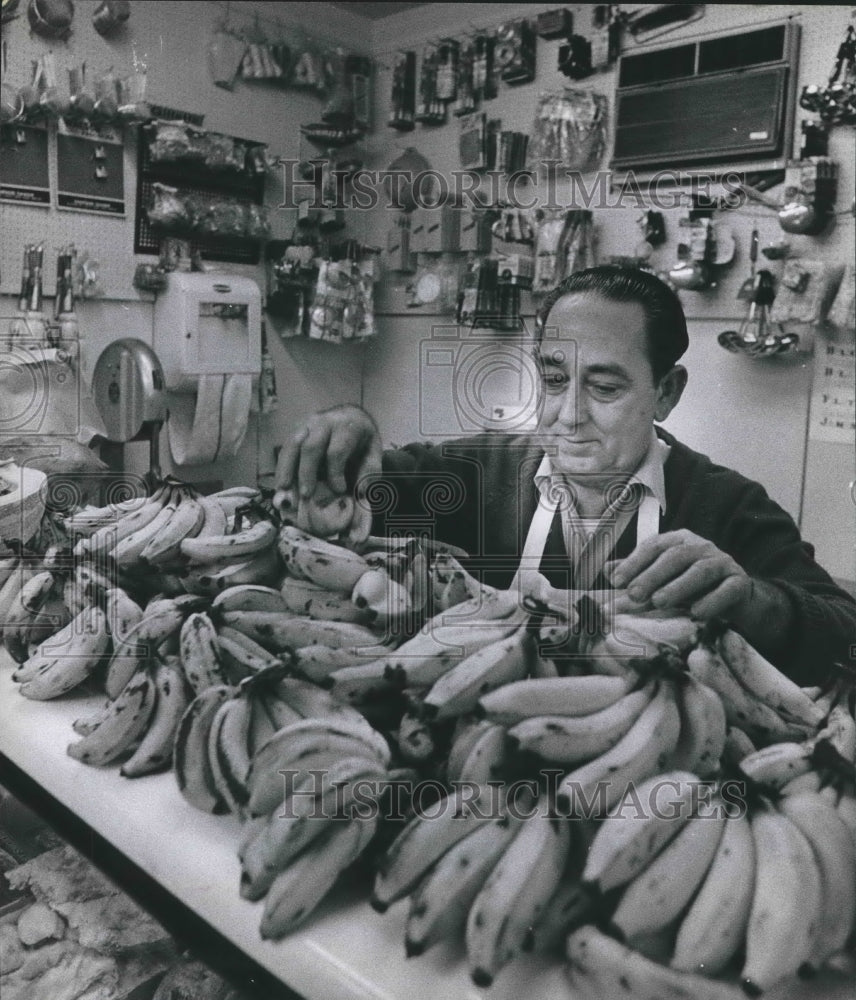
(649, 474)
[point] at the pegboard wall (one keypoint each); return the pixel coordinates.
(169, 40)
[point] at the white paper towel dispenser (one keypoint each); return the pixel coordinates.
(207, 324)
(207, 334)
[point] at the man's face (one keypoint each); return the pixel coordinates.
(599, 395)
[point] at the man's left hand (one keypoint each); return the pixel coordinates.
(682, 570)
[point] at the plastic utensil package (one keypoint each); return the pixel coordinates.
(570, 127)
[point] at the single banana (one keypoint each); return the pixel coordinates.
(279, 632)
(249, 494)
(258, 537)
(645, 749)
(639, 635)
(199, 649)
(572, 696)
(835, 852)
(185, 523)
(766, 682)
(761, 722)
(319, 561)
(713, 927)
(422, 660)
(313, 702)
(773, 766)
(215, 521)
(123, 613)
(249, 597)
(26, 619)
(464, 736)
(384, 598)
(122, 726)
(442, 900)
(229, 751)
(703, 727)
(571, 740)
(313, 601)
(87, 520)
(320, 798)
(65, 660)
(646, 817)
(601, 967)
(487, 757)
(786, 905)
(241, 656)
(459, 689)
(516, 893)
(128, 550)
(262, 568)
(127, 658)
(190, 753)
(318, 663)
(296, 892)
(660, 892)
(737, 745)
(362, 683)
(156, 748)
(429, 835)
(570, 906)
(811, 781)
(280, 713)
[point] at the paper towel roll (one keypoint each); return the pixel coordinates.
(218, 424)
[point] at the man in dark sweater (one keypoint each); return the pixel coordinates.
(596, 497)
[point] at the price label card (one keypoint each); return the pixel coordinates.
(833, 402)
(24, 178)
(90, 170)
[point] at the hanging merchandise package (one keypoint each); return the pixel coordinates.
(570, 128)
(811, 303)
(842, 312)
(342, 307)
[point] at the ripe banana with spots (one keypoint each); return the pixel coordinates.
(165, 547)
(644, 750)
(329, 565)
(516, 893)
(280, 632)
(661, 891)
(428, 836)
(701, 743)
(440, 903)
(229, 751)
(122, 725)
(459, 689)
(313, 601)
(571, 740)
(190, 752)
(785, 915)
(229, 548)
(775, 765)
(125, 520)
(712, 929)
(601, 967)
(199, 650)
(644, 819)
(65, 660)
(155, 750)
(249, 597)
(571, 696)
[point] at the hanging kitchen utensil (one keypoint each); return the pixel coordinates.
(746, 289)
(758, 336)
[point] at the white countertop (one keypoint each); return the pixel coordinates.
(346, 951)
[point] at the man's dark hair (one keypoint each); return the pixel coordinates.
(666, 325)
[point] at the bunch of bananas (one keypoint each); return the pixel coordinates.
(755, 889)
(311, 806)
(489, 867)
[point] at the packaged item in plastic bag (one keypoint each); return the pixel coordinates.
(569, 128)
(342, 308)
(169, 209)
(174, 142)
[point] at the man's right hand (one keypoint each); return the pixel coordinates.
(341, 446)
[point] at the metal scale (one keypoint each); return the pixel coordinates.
(128, 386)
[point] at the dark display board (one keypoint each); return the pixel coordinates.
(24, 177)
